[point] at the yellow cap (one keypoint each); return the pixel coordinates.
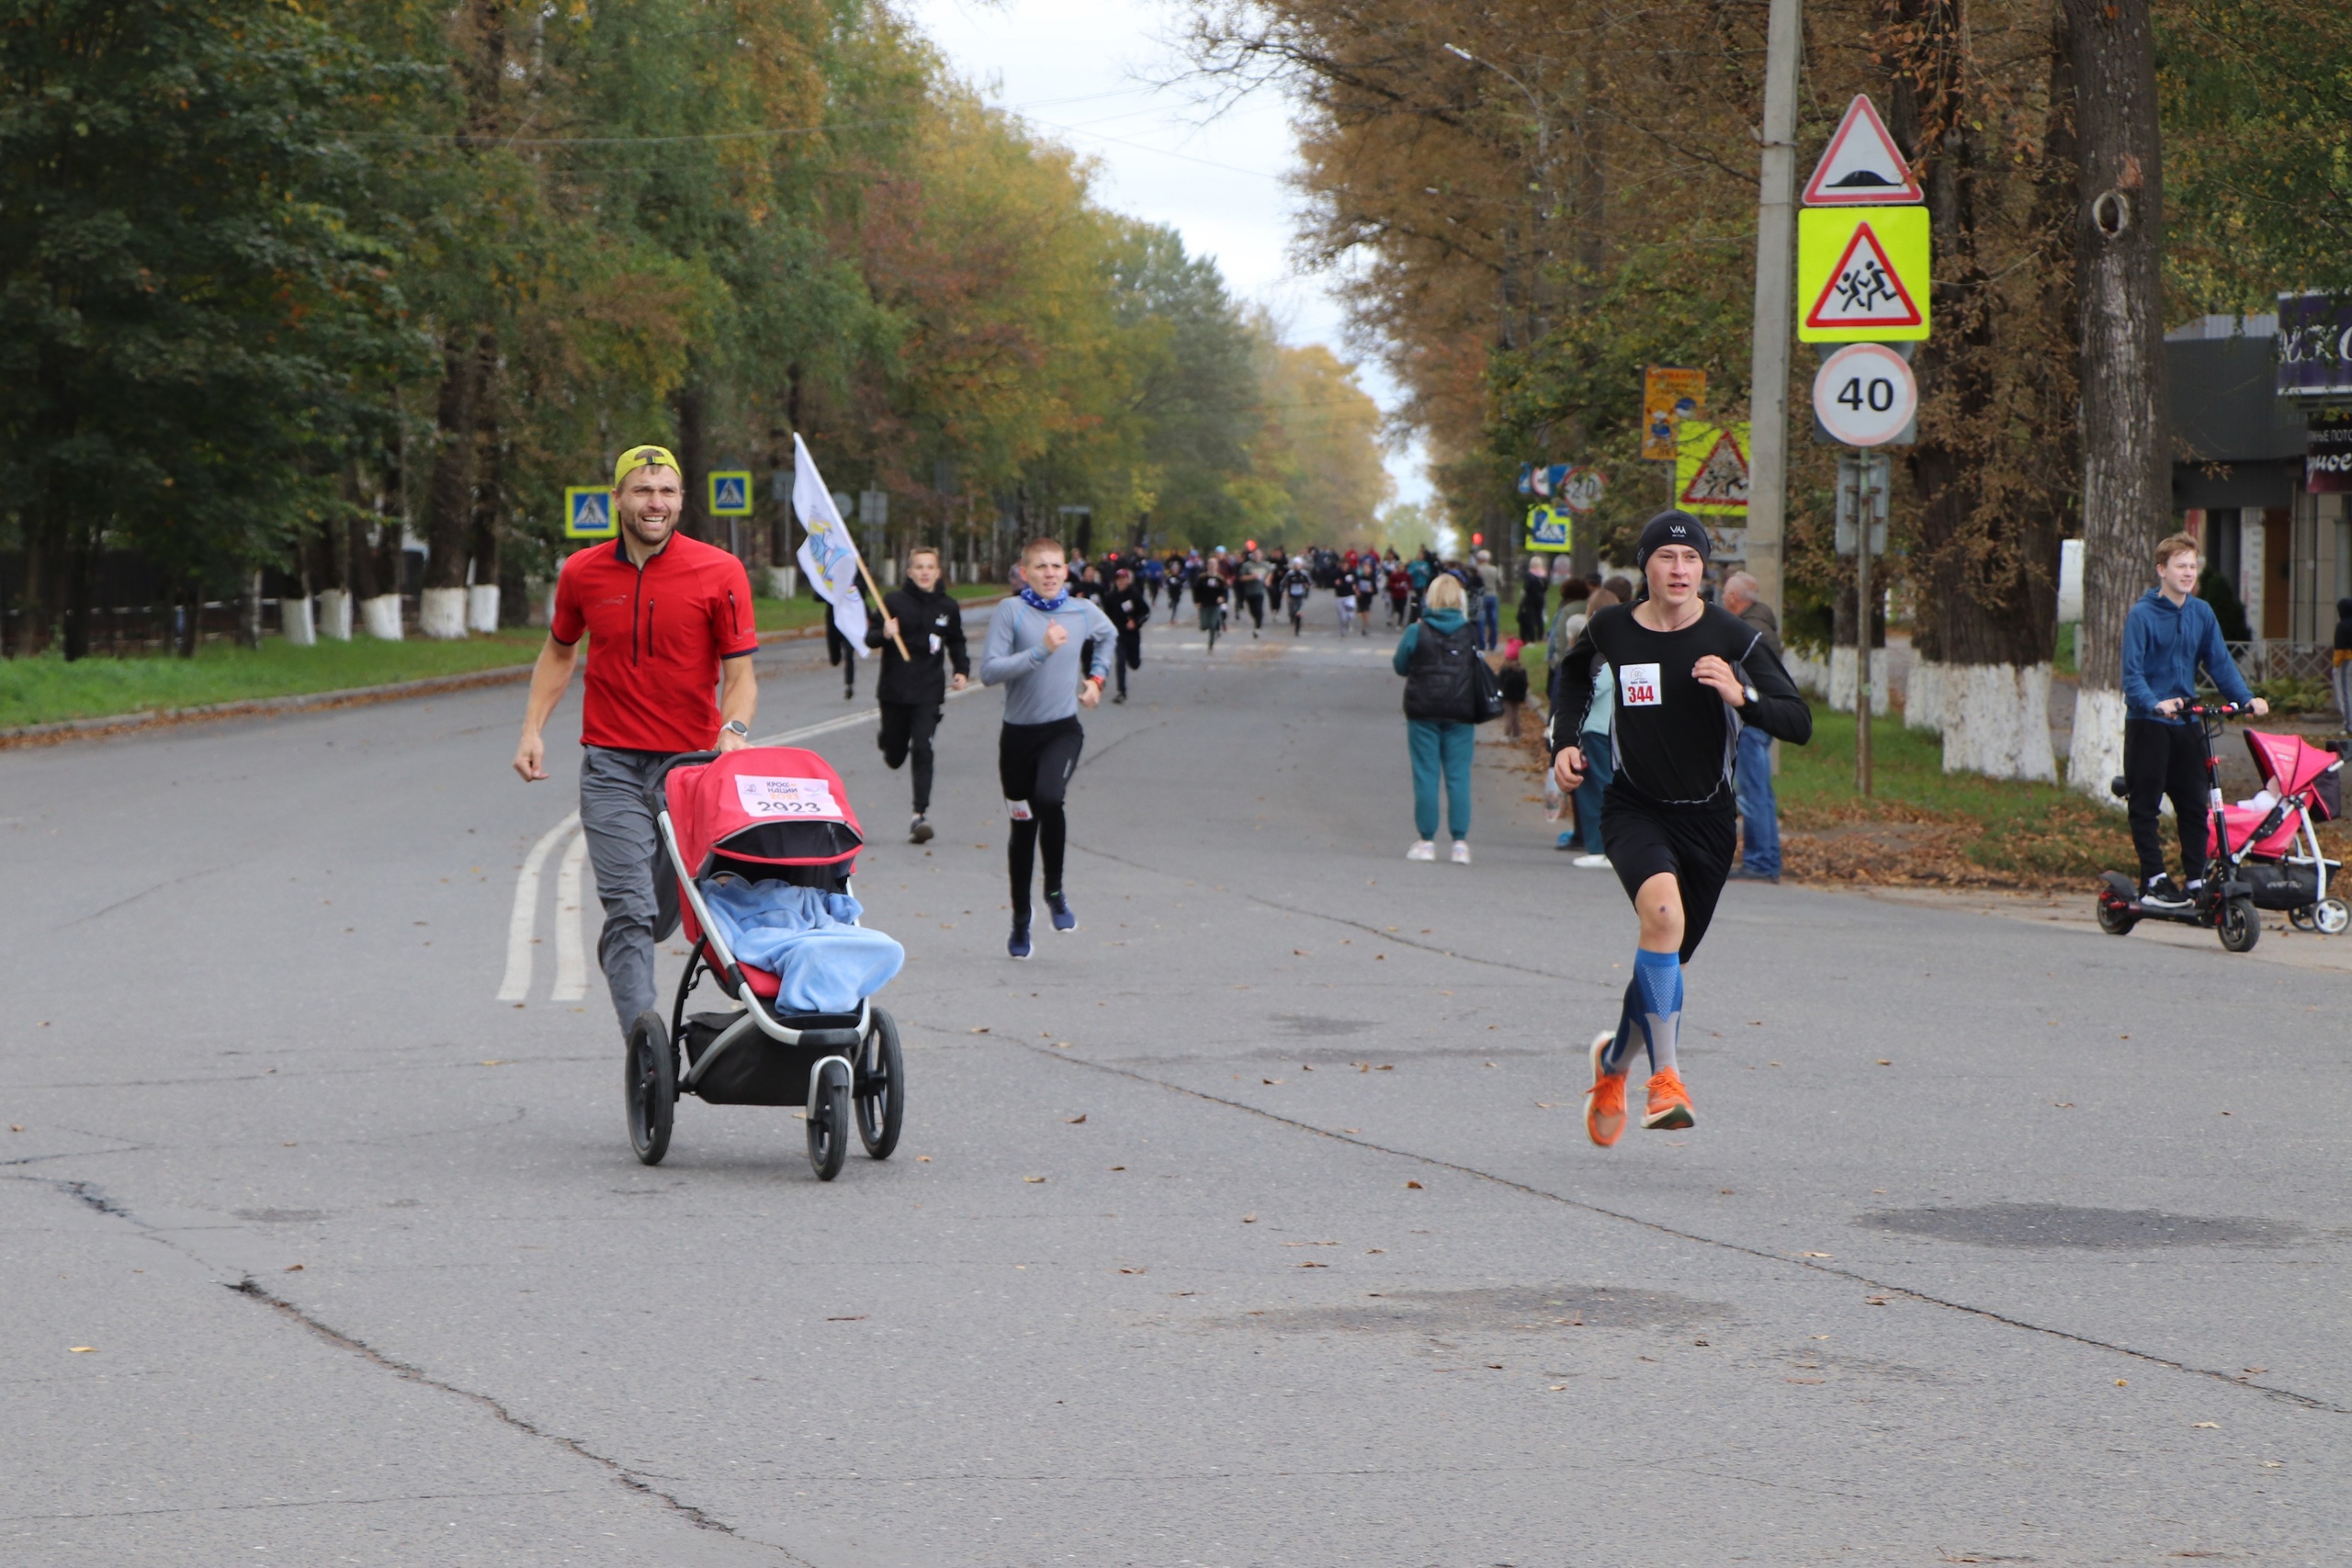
(637, 457)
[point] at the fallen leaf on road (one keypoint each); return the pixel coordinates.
(16, 1126)
(1800, 1379)
(1874, 1301)
(1118, 1168)
(2215, 1425)
(1134, 1270)
(1558, 1386)
(1270, 1080)
(1494, 1366)
(1311, 1265)
(1248, 1219)
(1370, 1251)
(982, 1029)
(1387, 1068)
(1884, 1062)
(1412, 1184)
(2123, 1383)
(1300, 952)
(1545, 1105)
(293, 1268)
(81, 1349)
(854, 1317)
(493, 1062)
(2252, 1371)
(1061, 1044)
(1032, 1181)
(2272, 1463)
(1351, 1128)
(1820, 1255)
(922, 1159)
(1079, 1119)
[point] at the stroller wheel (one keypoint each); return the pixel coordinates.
(2241, 927)
(829, 1121)
(651, 1081)
(2331, 916)
(880, 1096)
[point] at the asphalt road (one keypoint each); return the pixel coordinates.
(1252, 1223)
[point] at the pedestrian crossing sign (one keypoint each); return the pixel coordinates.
(1862, 274)
(588, 512)
(730, 494)
(1550, 530)
(1710, 469)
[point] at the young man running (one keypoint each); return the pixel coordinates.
(913, 690)
(1690, 675)
(667, 619)
(1031, 653)
(1129, 606)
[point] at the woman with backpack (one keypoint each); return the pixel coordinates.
(1439, 658)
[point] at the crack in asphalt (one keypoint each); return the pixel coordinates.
(89, 1192)
(2269, 1390)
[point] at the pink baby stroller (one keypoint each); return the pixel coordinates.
(2275, 836)
(761, 840)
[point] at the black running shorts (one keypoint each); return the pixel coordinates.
(1034, 761)
(1695, 848)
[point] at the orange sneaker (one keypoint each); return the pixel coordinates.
(1670, 1103)
(1604, 1102)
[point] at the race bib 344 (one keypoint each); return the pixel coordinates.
(1637, 685)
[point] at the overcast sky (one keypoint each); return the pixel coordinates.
(1082, 71)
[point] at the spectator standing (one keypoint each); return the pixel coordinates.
(1434, 657)
(2343, 672)
(1584, 801)
(1489, 603)
(1534, 589)
(1759, 813)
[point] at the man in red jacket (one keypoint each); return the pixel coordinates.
(668, 621)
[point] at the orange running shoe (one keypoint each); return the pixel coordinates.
(1604, 1102)
(1670, 1103)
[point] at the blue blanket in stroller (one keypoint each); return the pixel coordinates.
(823, 962)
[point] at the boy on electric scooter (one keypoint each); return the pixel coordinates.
(2167, 635)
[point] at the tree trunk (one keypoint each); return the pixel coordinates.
(483, 592)
(694, 519)
(81, 571)
(32, 593)
(1984, 573)
(467, 357)
(2127, 489)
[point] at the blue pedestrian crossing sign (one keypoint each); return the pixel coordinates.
(730, 494)
(588, 512)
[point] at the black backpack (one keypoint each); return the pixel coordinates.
(1447, 682)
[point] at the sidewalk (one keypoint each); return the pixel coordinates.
(2281, 943)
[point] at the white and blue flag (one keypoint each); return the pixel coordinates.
(827, 553)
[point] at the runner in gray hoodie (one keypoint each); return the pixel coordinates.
(1033, 653)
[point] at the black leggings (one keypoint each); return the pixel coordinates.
(907, 728)
(1035, 763)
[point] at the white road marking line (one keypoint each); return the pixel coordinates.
(571, 955)
(811, 731)
(523, 922)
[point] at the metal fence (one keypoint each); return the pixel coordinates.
(2272, 661)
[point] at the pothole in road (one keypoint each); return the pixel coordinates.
(2064, 1224)
(1534, 1308)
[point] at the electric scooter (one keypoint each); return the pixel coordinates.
(2225, 904)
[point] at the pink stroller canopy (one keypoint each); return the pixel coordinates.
(2294, 761)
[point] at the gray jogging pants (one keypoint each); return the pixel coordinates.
(633, 877)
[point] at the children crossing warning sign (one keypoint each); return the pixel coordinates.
(1862, 274)
(1710, 469)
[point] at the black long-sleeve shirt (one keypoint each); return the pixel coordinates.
(1128, 608)
(933, 624)
(1673, 737)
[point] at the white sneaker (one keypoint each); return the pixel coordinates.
(1592, 862)
(1461, 852)
(1425, 850)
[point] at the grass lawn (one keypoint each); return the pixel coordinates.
(46, 689)
(1923, 825)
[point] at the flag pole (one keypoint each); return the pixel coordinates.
(868, 576)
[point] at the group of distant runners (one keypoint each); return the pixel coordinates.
(1689, 677)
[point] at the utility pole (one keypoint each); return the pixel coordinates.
(1768, 471)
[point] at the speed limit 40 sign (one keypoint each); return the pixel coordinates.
(1865, 395)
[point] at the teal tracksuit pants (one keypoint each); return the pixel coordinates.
(1441, 748)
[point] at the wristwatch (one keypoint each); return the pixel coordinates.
(743, 731)
(1751, 692)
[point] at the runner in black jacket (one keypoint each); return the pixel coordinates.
(1129, 606)
(914, 689)
(1689, 674)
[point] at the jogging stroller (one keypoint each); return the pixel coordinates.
(761, 842)
(2276, 836)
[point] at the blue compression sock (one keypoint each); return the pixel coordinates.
(1653, 1001)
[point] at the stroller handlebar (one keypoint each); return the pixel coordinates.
(2218, 710)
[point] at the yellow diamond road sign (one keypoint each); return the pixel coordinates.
(1861, 274)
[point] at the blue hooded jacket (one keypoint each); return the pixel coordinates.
(2163, 645)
